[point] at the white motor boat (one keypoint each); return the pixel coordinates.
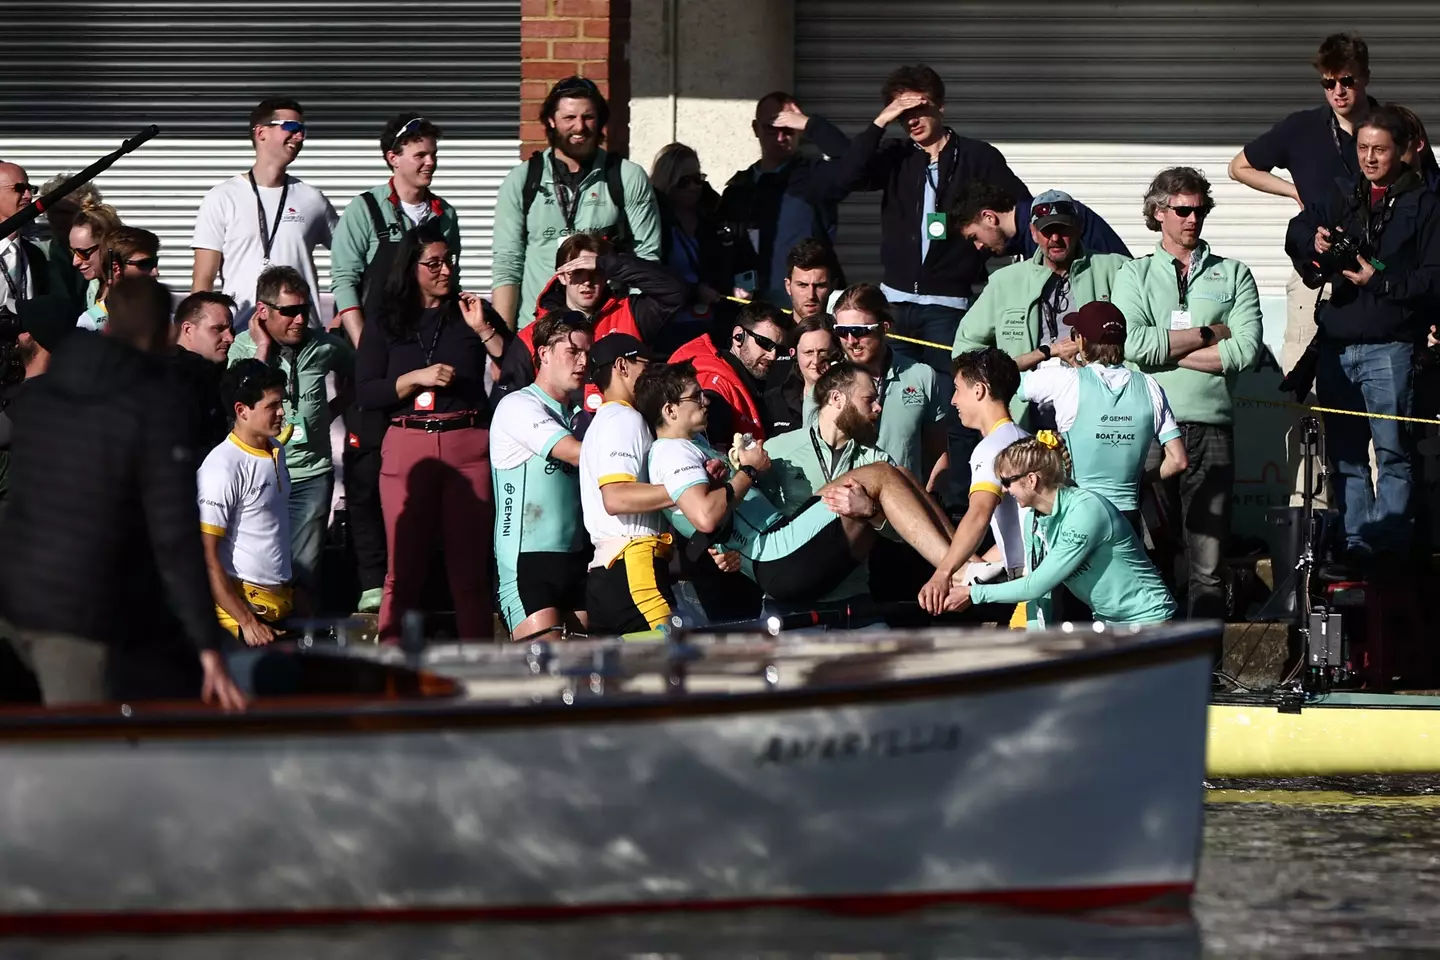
(1057, 770)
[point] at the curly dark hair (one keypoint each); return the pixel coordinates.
(1341, 50)
(661, 384)
(977, 196)
(401, 302)
(918, 79)
(992, 367)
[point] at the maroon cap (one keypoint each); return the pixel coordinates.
(1099, 321)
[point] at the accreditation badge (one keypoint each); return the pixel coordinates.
(425, 401)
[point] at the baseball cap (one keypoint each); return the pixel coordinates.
(613, 346)
(1052, 207)
(48, 320)
(1099, 321)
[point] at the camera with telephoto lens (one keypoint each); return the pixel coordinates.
(1345, 252)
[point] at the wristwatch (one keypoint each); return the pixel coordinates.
(1044, 349)
(1207, 336)
(750, 472)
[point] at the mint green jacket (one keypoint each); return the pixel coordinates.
(523, 253)
(1218, 290)
(355, 243)
(1007, 313)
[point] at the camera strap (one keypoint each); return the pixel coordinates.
(17, 291)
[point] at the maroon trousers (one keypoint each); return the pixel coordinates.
(435, 487)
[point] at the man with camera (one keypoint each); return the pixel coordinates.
(1379, 249)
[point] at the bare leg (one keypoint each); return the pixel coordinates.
(904, 507)
(537, 622)
(936, 513)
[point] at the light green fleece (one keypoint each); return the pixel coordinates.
(1218, 290)
(523, 254)
(355, 243)
(1007, 312)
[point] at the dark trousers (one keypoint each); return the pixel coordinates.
(937, 324)
(1194, 513)
(367, 519)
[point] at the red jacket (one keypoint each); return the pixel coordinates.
(615, 315)
(718, 377)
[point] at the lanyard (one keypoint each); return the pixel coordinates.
(1050, 304)
(292, 380)
(430, 351)
(267, 240)
(1180, 281)
(937, 185)
(828, 472)
(17, 293)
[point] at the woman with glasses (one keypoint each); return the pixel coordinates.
(1072, 536)
(94, 221)
(422, 362)
(789, 404)
(690, 232)
(126, 252)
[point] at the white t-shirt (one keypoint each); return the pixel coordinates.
(1005, 523)
(614, 451)
(244, 497)
(229, 221)
(1059, 386)
(417, 213)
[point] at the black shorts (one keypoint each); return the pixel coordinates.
(543, 580)
(633, 594)
(813, 569)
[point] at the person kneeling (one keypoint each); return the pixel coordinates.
(1075, 537)
(797, 558)
(244, 513)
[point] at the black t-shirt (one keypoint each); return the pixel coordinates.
(443, 337)
(1310, 144)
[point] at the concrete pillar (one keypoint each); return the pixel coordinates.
(730, 53)
(563, 38)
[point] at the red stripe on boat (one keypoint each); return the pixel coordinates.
(61, 923)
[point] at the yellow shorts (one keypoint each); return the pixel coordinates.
(269, 603)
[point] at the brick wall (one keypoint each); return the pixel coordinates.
(561, 38)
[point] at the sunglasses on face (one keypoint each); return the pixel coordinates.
(291, 310)
(435, 265)
(1006, 481)
(406, 131)
(289, 126)
(144, 264)
(22, 188)
(856, 331)
(691, 180)
(1059, 208)
(84, 253)
(1184, 212)
(1347, 81)
(765, 344)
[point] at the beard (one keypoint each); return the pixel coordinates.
(581, 152)
(857, 426)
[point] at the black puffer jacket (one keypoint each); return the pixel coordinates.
(101, 539)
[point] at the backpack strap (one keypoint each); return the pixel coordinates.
(377, 218)
(624, 237)
(534, 169)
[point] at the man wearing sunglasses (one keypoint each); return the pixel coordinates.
(1061, 275)
(1193, 322)
(994, 220)
(1317, 147)
(264, 217)
(734, 376)
(281, 335)
(29, 269)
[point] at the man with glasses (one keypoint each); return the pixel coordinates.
(263, 217)
(1317, 147)
(734, 378)
(991, 218)
(281, 336)
(784, 197)
(29, 269)
(1061, 275)
(1193, 322)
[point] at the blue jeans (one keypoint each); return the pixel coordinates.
(1373, 378)
(937, 324)
(309, 514)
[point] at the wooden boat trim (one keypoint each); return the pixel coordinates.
(331, 716)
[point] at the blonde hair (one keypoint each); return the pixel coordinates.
(100, 217)
(1106, 354)
(665, 170)
(1044, 454)
(62, 214)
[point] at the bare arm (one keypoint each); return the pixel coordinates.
(631, 496)
(567, 450)
(1176, 459)
(970, 532)
(706, 506)
(228, 598)
(506, 301)
(1262, 180)
(207, 268)
(353, 321)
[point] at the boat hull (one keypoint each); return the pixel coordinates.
(1343, 735)
(1069, 793)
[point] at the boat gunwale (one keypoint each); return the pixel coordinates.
(291, 717)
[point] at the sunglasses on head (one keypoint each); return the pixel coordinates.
(764, 343)
(406, 131)
(855, 331)
(144, 264)
(691, 180)
(291, 310)
(1184, 212)
(85, 253)
(1347, 81)
(1059, 208)
(22, 188)
(289, 126)
(434, 265)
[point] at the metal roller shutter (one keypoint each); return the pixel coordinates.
(96, 71)
(1094, 99)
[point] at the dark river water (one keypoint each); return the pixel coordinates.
(1298, 869)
